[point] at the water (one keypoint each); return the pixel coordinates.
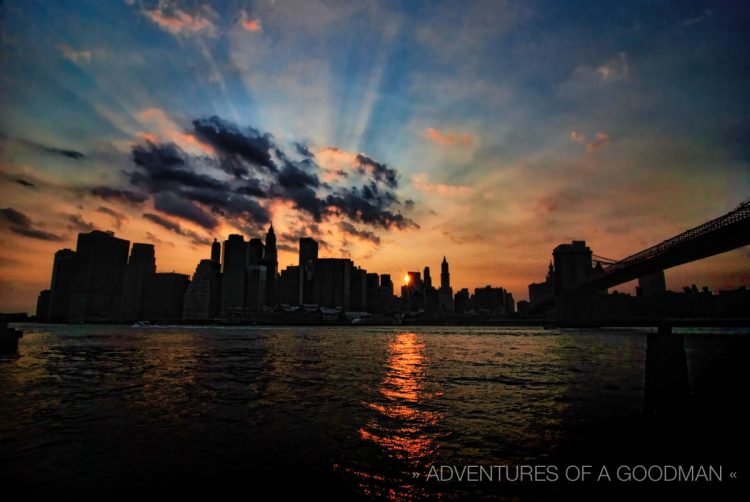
(355, 411)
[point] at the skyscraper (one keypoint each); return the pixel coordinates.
(216, 251)
(446, 292)
(332, 282)
(234, 277)
(255, 294)
(164, 296)
(427, 280)
(255, 251)
(272, 267)
(141, 265)
(308, 251)
(63, 271)
(97, 282)
(203, 295)
(308, 257)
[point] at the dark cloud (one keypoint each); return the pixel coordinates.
(171, 203)
(175, 227)
(371, 211)
(379, 171)
(71, 154)
(119, 218)
(116, 194)
(194, 188)
(350, 229)
(25, 183)
(77, 224)
(303, 150)
(237, 148)
(21, 224)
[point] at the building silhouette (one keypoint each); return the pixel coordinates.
(255, 294)
(42, 306)
(164, 296)
(234, 274)
(203, 294)
(446, 292)
(63, 271)
(332, 282)
(141, 265)
(308, 256)
(357, 289)
(255, 251)
(373, 293)
(289, 286)
(540, 290)
(271, 262)
(97, 281)
(216, 251)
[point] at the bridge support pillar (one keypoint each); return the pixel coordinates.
(667, 389)
(575, 309)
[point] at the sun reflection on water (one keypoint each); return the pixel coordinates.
(404, 428)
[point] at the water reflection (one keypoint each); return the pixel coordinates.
(404, 427)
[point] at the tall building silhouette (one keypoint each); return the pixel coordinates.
(427, 280)
(289, 286)
(63, 271)
(42, 306)
(255, 293)
(203, 295)
(308, 257)
(538, 291)
(272, 267)
(255, 249)
(141, 265)
(373, 293)
(446, 292)
(332, 282)
(99, 269)
(357, 289)
(234, 274)
(164, 296)
(216, 251)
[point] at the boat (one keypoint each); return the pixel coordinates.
(141, 324)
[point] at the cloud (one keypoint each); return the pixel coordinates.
(450, 138)
(25, 183)
(615, 69)
(421, 183)
(361, 206)
(71, 154)
(181, 23)
(175, 227)
(248, 23)
(118, 217)
(164, 129)
(175, 205)
(75, 56)
(77, 224)
(21, 224)
(350, 229)
(120, 195)
(239, 149)
(577, 137)
(379, 171)
(601, 140)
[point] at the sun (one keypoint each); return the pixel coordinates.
(406, 279)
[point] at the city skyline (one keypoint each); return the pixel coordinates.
(392, 134)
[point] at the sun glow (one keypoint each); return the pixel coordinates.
(406, 279)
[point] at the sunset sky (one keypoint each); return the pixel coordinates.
(393, 132)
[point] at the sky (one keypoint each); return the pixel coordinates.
(395, 133)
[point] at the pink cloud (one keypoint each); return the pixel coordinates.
(601, 139)
(179, 22)
(450, 138)
(161, 127)
(422, 184)
(249, 23)
(576, 137)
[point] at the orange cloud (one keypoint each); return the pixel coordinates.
(601, 139)
(422, 184)
(450, 138)
(179, 22)
(156, 119)
(576, 137)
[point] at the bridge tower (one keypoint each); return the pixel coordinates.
(573, 266)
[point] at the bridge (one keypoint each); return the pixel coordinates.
(717, 236)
